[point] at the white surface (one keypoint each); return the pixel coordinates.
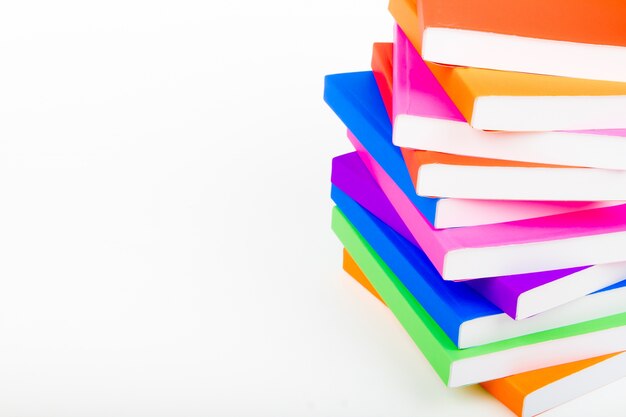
(517, 53)
(560, 148)
(165, 219)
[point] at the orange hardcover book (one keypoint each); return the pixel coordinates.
(534, 392)
(420, 158)
(600, 22)
(573, 38)
(515, 101)
(445, 175)
(351, 267)
(382, 66)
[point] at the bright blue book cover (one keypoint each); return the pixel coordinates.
(367, 119)
(449, 303)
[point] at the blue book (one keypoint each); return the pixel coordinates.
(466, 317)
(366, 117)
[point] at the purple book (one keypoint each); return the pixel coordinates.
(519, 296)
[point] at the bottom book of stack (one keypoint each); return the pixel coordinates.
(531, 393)
(526, 393)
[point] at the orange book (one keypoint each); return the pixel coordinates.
(514, 101)
(573, 38)
(534, 392)
(351, 267)
(438, 174)
(600, 22)
(382, 66)
(419, 158)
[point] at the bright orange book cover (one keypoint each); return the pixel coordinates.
(429, 157)
(351, 267)
(382, 66)
(599, 22)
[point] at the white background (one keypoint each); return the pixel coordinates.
(165, 243)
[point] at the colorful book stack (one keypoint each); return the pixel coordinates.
(485, 202)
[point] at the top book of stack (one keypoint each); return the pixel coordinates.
(570, 38)
(493, 99)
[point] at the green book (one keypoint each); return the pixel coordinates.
(458, 367)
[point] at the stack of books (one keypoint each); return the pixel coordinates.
(485, 204)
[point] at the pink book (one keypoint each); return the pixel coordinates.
(416, 91)
(592, 236)
(427, 119)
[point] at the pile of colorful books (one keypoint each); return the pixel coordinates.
(485, 202)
